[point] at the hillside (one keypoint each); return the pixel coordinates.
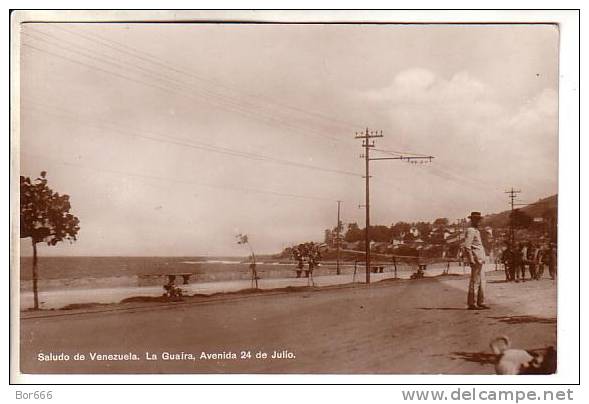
(536, 209)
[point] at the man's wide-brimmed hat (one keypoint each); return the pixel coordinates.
(475, 215)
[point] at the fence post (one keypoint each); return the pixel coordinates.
(395, 265)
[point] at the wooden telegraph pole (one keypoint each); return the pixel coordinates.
(512, 195)
(338, 238)
(367, 144)
(366, 136)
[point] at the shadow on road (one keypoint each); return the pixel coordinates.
(525, 319)
(484, 358)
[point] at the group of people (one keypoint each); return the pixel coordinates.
(517, 259)
(529, 257)
(309, 254)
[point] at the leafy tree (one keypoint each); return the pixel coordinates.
(377, 233)
(520, 219)
(441, 222)
(380, 233)
(399, 229)
(354, 233)
(44, 216)
(424, 229)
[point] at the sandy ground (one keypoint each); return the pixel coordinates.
(391, 327)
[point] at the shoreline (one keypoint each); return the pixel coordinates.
(65, 294)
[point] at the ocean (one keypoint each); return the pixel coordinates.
(100, 272)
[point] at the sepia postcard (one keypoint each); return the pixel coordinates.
(286, 194)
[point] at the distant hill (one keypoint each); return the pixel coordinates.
(536, 209)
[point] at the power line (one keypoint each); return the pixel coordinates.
(228, 103)
(437, 170)
(266, 119)
(398, 153)
(150, 58)
(181, 87)
(232, 107)
(200, 145)
(175, 180)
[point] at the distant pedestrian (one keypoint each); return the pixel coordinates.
(533, 261)
(475, 253)
(298, 256)
(543, 255)
(508, 264)
(523, 261)
(300, 266)
(516, 262)
(552, 261)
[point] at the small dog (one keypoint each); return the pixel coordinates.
(521, 362)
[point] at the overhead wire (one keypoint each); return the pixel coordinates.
(146, 56)
(181, 87)
(235, 107)
(102, 124)
(176, 180)
(274, 121)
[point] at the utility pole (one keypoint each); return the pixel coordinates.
(338, 239)
(512, 195)
(367, 144)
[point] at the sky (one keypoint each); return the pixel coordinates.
(172, 138)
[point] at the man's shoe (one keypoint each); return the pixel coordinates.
(472, 307)
(483, 307)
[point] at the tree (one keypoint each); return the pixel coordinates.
(354, 233)
(441, 222)
(424, 229)
(399, 229)
(380, 233)
(44, 216)
(520, 219)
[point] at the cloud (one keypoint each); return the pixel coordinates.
(422, 86)
(476, 135)
(414, 78)
(534, 115)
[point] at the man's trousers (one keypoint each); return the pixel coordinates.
(476, 287)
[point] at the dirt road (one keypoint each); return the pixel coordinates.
(394, 327)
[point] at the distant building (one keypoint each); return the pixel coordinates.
(414, 231)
